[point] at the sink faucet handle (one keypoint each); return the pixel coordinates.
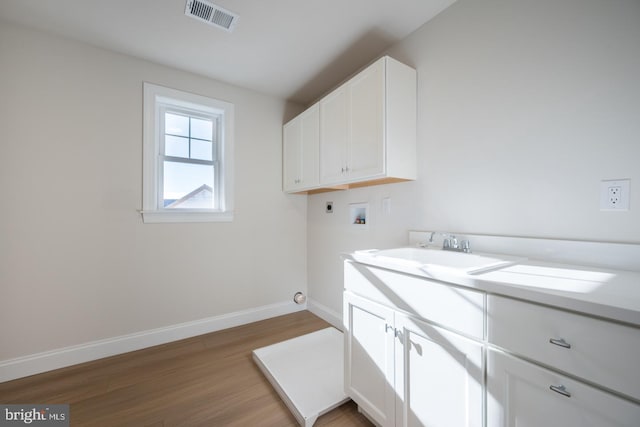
(450, 241)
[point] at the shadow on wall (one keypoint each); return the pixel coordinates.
(361, 53)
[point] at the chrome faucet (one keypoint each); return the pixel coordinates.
(450, 243)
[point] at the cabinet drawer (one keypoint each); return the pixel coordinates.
(599, 351)
(458, 309)
(523, 394)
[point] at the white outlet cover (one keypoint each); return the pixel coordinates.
(386, 206)
(614, 195)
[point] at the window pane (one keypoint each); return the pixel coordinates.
(176, 146)
(201, 150)
(188, 186)
(176, 125)
(201, 129)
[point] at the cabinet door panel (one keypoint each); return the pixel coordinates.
(366, 114)
(369, 357)
(439, 377)
(520, 394)
(292, 143)
(333, 136)
(310, 151)
(300, 140)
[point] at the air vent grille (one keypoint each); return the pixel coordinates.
(211, 14)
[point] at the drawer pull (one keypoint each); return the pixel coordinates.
(560, 389)
(560, 343)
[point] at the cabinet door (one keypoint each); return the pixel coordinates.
(291, 146)
(366, 123)
(439, 376)
(301, 137)
(369, 354)
(334, 133)
(526, 395)
(309, 150)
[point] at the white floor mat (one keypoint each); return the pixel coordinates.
(307, 372)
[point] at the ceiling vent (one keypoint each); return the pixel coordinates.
(211, 14)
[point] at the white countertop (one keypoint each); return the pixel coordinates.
(608, 293)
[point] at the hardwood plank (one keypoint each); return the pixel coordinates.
(209, 380)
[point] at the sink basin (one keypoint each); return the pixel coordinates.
(430, 260)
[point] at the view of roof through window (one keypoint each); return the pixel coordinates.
(188, 168)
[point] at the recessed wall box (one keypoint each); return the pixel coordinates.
(359, 215)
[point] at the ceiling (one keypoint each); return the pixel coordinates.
(292, 49)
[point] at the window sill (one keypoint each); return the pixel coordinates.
(185, 215)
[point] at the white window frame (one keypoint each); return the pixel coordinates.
(156, 99)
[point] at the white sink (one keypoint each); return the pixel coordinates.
(435, 259)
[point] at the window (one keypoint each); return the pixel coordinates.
(188, 157)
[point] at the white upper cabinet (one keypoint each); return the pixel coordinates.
(366, 154)
(368, 127)
(334, 128)
(352, 132)
(367, 130)
(300, 151)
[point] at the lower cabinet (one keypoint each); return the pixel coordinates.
(522, 394)
(403, 371)
(369, 362)
(550, 367)
(439, 378)
(416, 354)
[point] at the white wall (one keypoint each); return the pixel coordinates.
(523, 108)
(76, 262)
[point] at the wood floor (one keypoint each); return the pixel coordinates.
(209, 380)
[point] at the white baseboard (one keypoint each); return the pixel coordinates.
(325, 313)
(59, 358)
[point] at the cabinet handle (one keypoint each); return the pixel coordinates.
(560, 389)
(388, 327)
(560, 342)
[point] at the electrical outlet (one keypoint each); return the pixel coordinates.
(614, 195)
(386, 206)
